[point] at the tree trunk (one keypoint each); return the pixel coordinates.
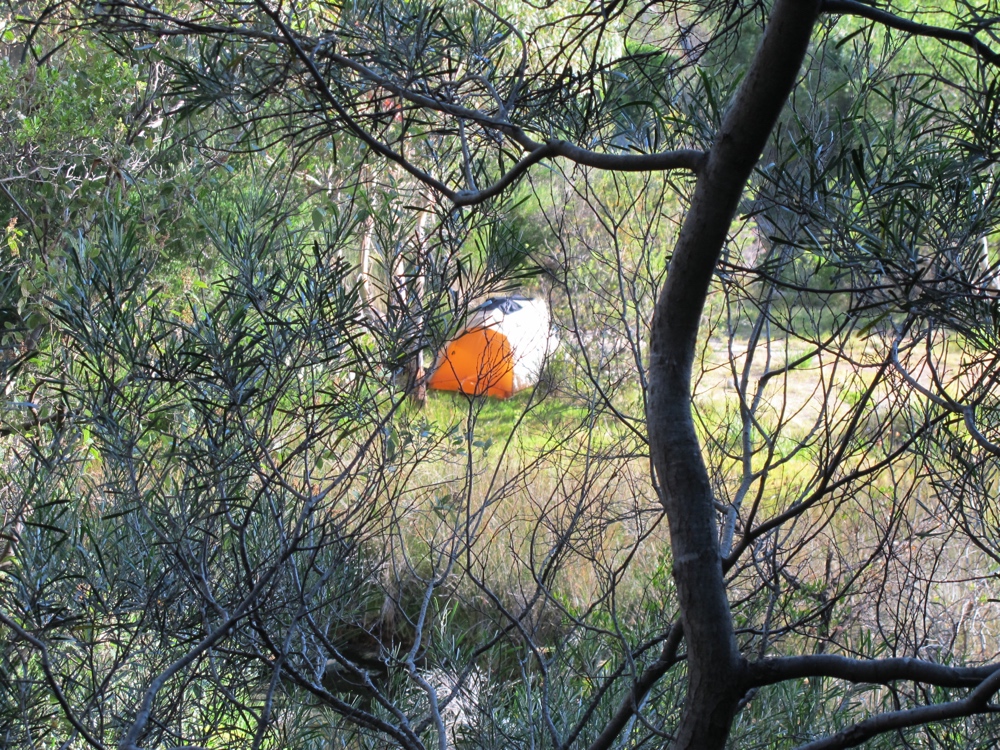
(716, 669)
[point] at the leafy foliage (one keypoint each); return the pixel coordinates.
(224, 262)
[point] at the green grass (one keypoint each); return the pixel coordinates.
(531, 416)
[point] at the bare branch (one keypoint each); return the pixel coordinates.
(967, 412)
(146, 706)
(640, 688)
(855, 8)
(683, 159)
(373, 143)
(976, 702)
(874, 671)
(43, 653)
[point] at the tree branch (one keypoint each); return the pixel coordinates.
(640, 689)
(43, 653)
(946, 402)
(145, 711)
(307, 50)
(20, 209)
(968, 38)
(875, 671)
(975, 702)
(57, 416)
(667, 160)
(691, 159)
(373, 143)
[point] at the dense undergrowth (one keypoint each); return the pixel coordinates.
(216, 483)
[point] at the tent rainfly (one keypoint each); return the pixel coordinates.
(500, 351)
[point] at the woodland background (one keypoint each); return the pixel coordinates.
(231, 518)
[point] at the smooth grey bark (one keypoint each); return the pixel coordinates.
(717, 672)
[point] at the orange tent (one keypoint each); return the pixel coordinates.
(500, 351)
(478, 363)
